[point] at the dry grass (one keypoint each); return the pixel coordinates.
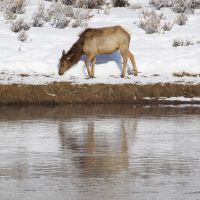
(156, 75)
(66, 93)
(135, 5)
(24, 75)
(182, 42)
(185, 74)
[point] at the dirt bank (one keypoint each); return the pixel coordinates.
(67, 93)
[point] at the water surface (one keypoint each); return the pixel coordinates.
(99, 152)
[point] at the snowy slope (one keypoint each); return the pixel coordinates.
(39, 55)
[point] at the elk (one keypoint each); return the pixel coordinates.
(93, 41)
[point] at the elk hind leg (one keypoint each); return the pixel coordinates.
(131, 57)
(87, 63)
(93, 65)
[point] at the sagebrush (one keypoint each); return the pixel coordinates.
(182, 42)
(181, 19)
(14, 6)
(23, 36)
(158, 4)
(61, 15)
(120, 3)
(180, 6)
(90, 4)
(38, 18)
(20, 24)
(151, 22)
(135, 5)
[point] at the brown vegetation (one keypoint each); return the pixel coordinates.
(187, 74)
(67, 93)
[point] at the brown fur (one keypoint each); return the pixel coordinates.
(95, 41)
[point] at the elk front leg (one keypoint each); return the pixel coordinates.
(87, 63)
(125, 59)
(131, 57)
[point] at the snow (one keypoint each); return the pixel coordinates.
(35, 78)
(181, 99)
(38, 57)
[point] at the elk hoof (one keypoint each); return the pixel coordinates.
(122, 76)
(135, 73)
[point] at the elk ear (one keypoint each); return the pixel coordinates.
(63, 52)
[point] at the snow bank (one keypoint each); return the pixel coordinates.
(154, 53)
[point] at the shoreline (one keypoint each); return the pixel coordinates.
(72, 93)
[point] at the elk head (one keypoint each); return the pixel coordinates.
(65, 63)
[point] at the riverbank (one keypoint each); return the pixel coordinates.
(71, 93)
(167, 74)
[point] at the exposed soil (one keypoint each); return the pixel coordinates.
(67, 93)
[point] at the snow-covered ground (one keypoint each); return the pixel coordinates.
(37, 60)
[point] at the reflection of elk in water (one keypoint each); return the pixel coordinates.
(110, 160)
(99, 155)
(95, 41)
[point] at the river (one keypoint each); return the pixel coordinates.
(83, 152)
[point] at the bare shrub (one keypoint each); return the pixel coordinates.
(14, 6)
(19, 25)
(158, 4)
(177, 42)
(1, 5)
(150, 21)
(106, 8)
(92, 4)
(23, 36)
(178, 6)
(68, 2)
(80, 18)
(181, 19)
(9, 15)
(120, 3)
(60, 15)
(38, 17)
(182, 42)
(181, 6)
(78, 22)
(195, 4)
(167, 26)
(135, 5)
(60, 22)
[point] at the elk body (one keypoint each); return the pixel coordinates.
(95, 41)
